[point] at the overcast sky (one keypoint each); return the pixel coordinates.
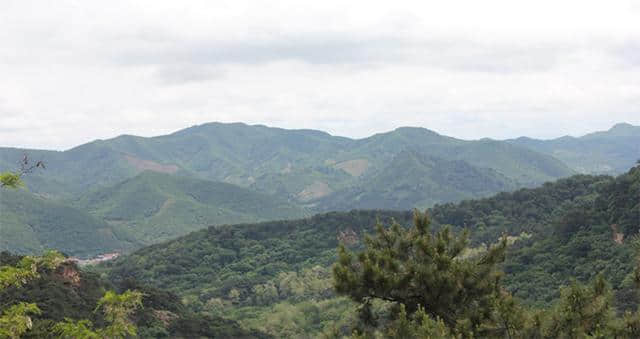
(74, 71)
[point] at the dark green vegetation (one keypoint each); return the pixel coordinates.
(418, 269)
(608, 152)
(67, 292)
(414, 283)
(574, 228)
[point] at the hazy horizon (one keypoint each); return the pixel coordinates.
(79, 71)
(314, 129)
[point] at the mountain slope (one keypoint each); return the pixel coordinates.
(516, 163)
(576, 227)
(413, 179)
(156, 206)
(31, 224)
(609, 152)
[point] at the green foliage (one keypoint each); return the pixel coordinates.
(15, 320)
(70, 328)
(117, 310)
(68, 297)
(419, 325)
(400, 265)
(582, 311)
(27, 269)
(17, 276)
(10, 180)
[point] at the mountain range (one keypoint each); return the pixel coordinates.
(135, 191)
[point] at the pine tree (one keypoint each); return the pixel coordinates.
(417, 269)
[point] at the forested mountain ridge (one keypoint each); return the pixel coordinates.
(301, 165)
(573, 228)
(606, 152)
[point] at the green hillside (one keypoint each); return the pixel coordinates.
(148, 208)
(153, 206)
(516, 163)
(576, 227)
(413, 179)
(607, 152)
(31, 224)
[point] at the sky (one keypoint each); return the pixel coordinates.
(75, 71)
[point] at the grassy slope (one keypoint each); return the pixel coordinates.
(154, 207)
(148, 208)
(31, 224)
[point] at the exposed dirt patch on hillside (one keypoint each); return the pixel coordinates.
(348, 237)
(166, 317)
(144, 165)
(69, 274)
(166, 204)
(617, 236)
(354, 167)
(287, 169)
(316, 190)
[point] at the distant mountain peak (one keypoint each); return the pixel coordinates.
(411, 129)
(624, 127)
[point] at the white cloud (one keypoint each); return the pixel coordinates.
(79, 70)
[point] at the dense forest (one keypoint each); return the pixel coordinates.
(277, 275)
